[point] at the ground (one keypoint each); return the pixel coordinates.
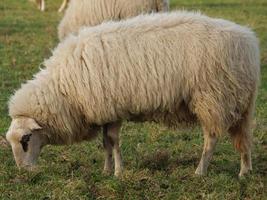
(159, 163)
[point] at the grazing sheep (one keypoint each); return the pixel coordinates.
(93, 12)
(168, 68)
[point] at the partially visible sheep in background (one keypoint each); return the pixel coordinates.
(169, 68)
(41, 4)
(93, 12)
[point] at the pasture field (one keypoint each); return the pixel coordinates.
(159, 163)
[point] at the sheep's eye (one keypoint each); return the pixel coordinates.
(24, 142)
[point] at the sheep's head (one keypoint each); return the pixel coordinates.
(26, 139)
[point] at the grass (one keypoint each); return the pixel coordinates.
(159, 163)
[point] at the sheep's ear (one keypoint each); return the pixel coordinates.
(32, 124)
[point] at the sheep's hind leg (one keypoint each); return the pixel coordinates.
(111, 140)
(209, 147)
(246, 164)
(242, 139)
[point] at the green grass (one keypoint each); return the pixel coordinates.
(159, 163)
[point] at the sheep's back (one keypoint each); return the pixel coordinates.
(154, 63)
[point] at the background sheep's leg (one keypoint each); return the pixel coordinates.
(209, 147)
(112, 140)
(42, 5)
(63, 6)
(108, 145)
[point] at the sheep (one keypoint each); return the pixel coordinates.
(93, 12)
(170, 68)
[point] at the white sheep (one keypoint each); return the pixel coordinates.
(93, 12)
(168, 68)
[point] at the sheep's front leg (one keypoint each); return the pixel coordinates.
(209, 147)
(107, 143)
(111, 142)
